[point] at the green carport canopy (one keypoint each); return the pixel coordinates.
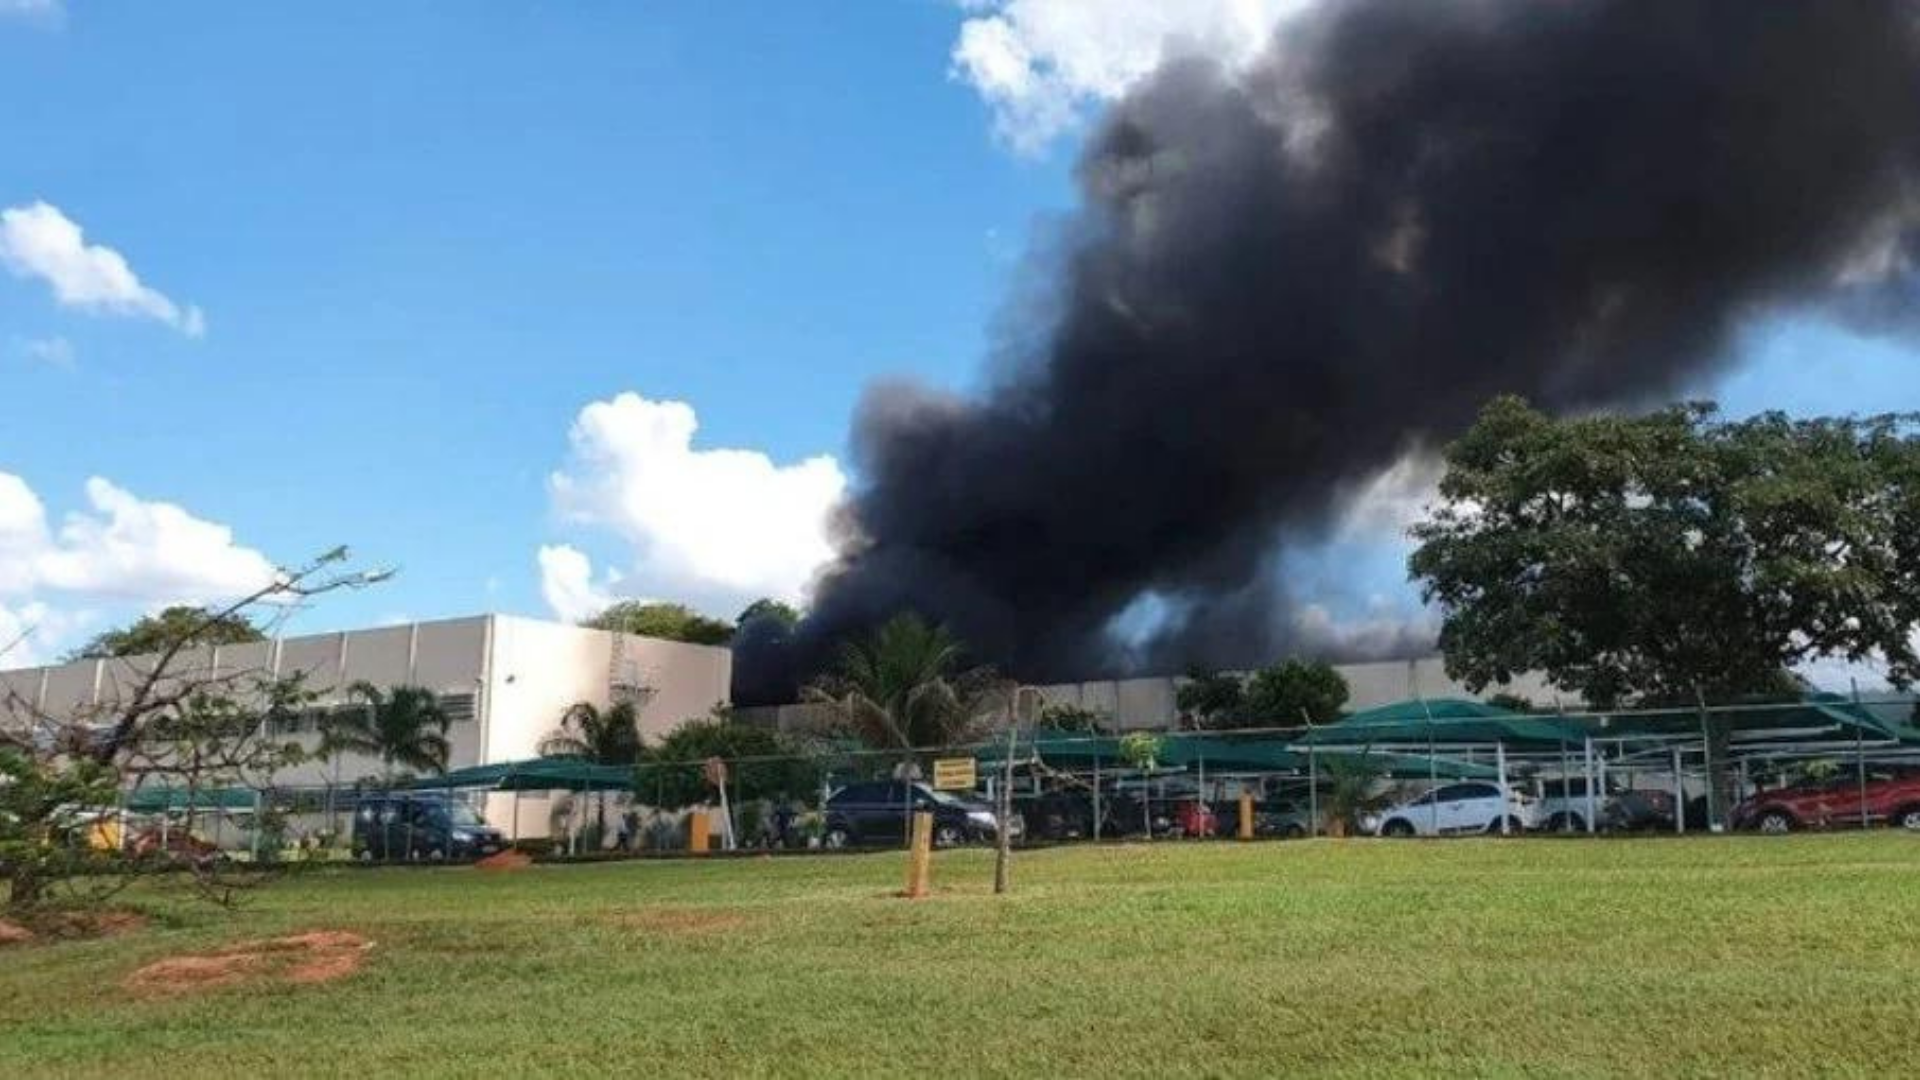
(1814, 714)
(1442, 720)
(1219, 751)
(536, 774)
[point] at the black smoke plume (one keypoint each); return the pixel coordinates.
(1284, 277)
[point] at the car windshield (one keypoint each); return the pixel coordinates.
(941, 797)
(462, 814)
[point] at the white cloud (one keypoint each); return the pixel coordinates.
(48, 10)
(38, 241)
(52, 351)
(566, 583)
(1041, 64)
(713, 527)
(121, 549)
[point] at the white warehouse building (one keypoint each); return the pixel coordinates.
(506, 681)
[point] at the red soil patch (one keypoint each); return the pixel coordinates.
(58, 925)
(315, 957)
(689, 921)
(506, 860)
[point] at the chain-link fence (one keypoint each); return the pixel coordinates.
(1417, 768)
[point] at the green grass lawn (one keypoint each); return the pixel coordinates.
(1728, 956)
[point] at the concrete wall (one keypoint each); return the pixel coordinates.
(1148, 702)
(518, 675)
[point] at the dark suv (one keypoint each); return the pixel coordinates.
(878, 813)
(421, 827)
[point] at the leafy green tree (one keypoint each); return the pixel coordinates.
(904, 686)
(762, 764)
(609, 736)
(1294, 691)
(673, 622)
(405, 727)
(768, 608)
(40, 797)
(180, 624)
(1674, 558)
(1211, 698)
(1660, 557)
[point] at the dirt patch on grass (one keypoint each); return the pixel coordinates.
(690, 922)
(506, 860)
(66, 925)
(314, 957)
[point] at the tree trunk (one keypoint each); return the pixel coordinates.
(25, 887)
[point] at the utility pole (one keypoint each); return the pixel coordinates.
(1003, 835)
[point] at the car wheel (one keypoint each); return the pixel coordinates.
(1398, 827)
(948, 836)
(1908, 818)
(838, 838)
(438, 855)
(364, 855)
(1776, 822)
(1513, 826)
(1295, 831)
(1566, 822)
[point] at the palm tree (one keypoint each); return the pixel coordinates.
(602, 736)
(899, 687)
(404, 726)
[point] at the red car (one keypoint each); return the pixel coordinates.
(1838, 801)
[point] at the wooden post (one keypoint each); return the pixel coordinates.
(1246, 816)
(697, 838)
(920, 857)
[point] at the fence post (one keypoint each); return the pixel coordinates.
(1587, 769)
(1096, 794)
(1860, 753)
(1706, 761)
(1679, 794)
(1313, 792)
(1246, 815)
(1500, 767)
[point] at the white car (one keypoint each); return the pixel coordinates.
(1473, 806)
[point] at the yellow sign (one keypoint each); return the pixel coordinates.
(953, 774)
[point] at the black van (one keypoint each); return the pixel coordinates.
(420, 826)
(878, 812)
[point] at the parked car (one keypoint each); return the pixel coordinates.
(1271, 817)
(1893, 798)
(1563, 807)
(1451, 809)
(421, 826)
(879, 812)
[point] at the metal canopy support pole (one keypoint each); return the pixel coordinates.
(1679, 794)
(1500, 767)
(1433, 772)
(1096, 795)
(1313, 793)
(1587, 766)
(1706, 761)
(1566, 791)
(1860, 753)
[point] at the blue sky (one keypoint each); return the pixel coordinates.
(424, 237)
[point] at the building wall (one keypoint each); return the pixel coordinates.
(518, 675)
(1149, 703)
